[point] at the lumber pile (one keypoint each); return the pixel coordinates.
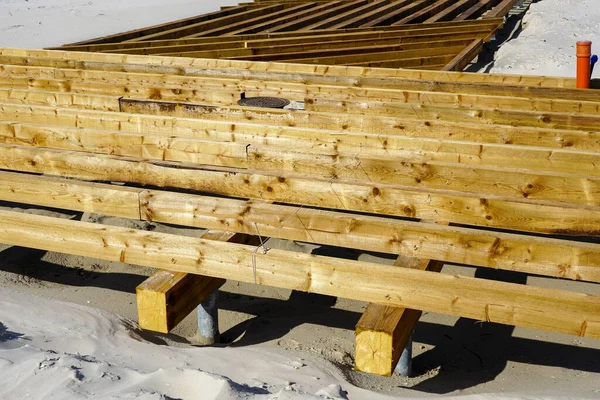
(434, 167)
(431, 34)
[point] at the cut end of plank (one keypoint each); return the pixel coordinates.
(373, 352)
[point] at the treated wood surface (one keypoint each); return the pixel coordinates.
(543, 256)
(374, 150)
(519, 305)
(383, 331)
(166, 298)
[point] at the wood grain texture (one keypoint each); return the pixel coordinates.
(519, 305)
(166, 298)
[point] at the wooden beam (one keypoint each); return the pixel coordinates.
(249, 70)
(259, 126)
(366, 17)
(463, 58)
(459, 207)
(190, 30)
(530, 254)
(164, 79)
(265, 39)
(501, 9)
(295, 25)
(384, 331)
(166, 298)
(399, 50)
(555, 120)
(519, 305)
(252, 23)
(286, 51)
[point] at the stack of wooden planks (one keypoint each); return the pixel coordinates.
(435, 167)
(432, 34)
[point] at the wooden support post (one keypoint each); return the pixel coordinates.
(166, 298)
(383, 333)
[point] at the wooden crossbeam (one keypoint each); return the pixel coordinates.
(485, 115)
(280, 53)
(257, 22)
(268, 39)
(300, 11)
(451, 12)
(519, 305)
(462, 59)
(147, 79)
(530, 254)
(298, 24)
(384, 331)
(119, 37)
(425, 13)
(473, 209)
(342, 17)
(383, 134)
(190, 30)
(501, 9)
(366, 17)
(166, 298)
(476, 9)
(247, 70)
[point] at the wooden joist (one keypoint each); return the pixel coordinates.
(356, 195)
(383, 331)
(166, 298)
(351, 76)
(314, 17)
(559, 258)
(519, 305)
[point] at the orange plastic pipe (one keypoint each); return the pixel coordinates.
(584, 52)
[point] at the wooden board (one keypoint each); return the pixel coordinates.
(519, 305)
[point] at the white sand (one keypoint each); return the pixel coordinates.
(546, 45)
(46, 23)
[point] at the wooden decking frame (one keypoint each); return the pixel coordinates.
(375, 151)
(370, 33)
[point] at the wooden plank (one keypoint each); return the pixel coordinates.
(515, 252)
(366, 17)
(390, 55)
(414, 202)
(463, 58)
(295, 25)
(166, 298)
(519, 305)
(151, 147)
(251, 70)
(265, 26)
(476, 9)
(436, 62)
(260, 126)
(501, 9)
(487, 180)
(384, 331)
(425, 13)
(399, 51)
(451, 12)
(292, 152)
(254, 24)
(343, 17)
(265, 39)
(486, 115)
(394, 15)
